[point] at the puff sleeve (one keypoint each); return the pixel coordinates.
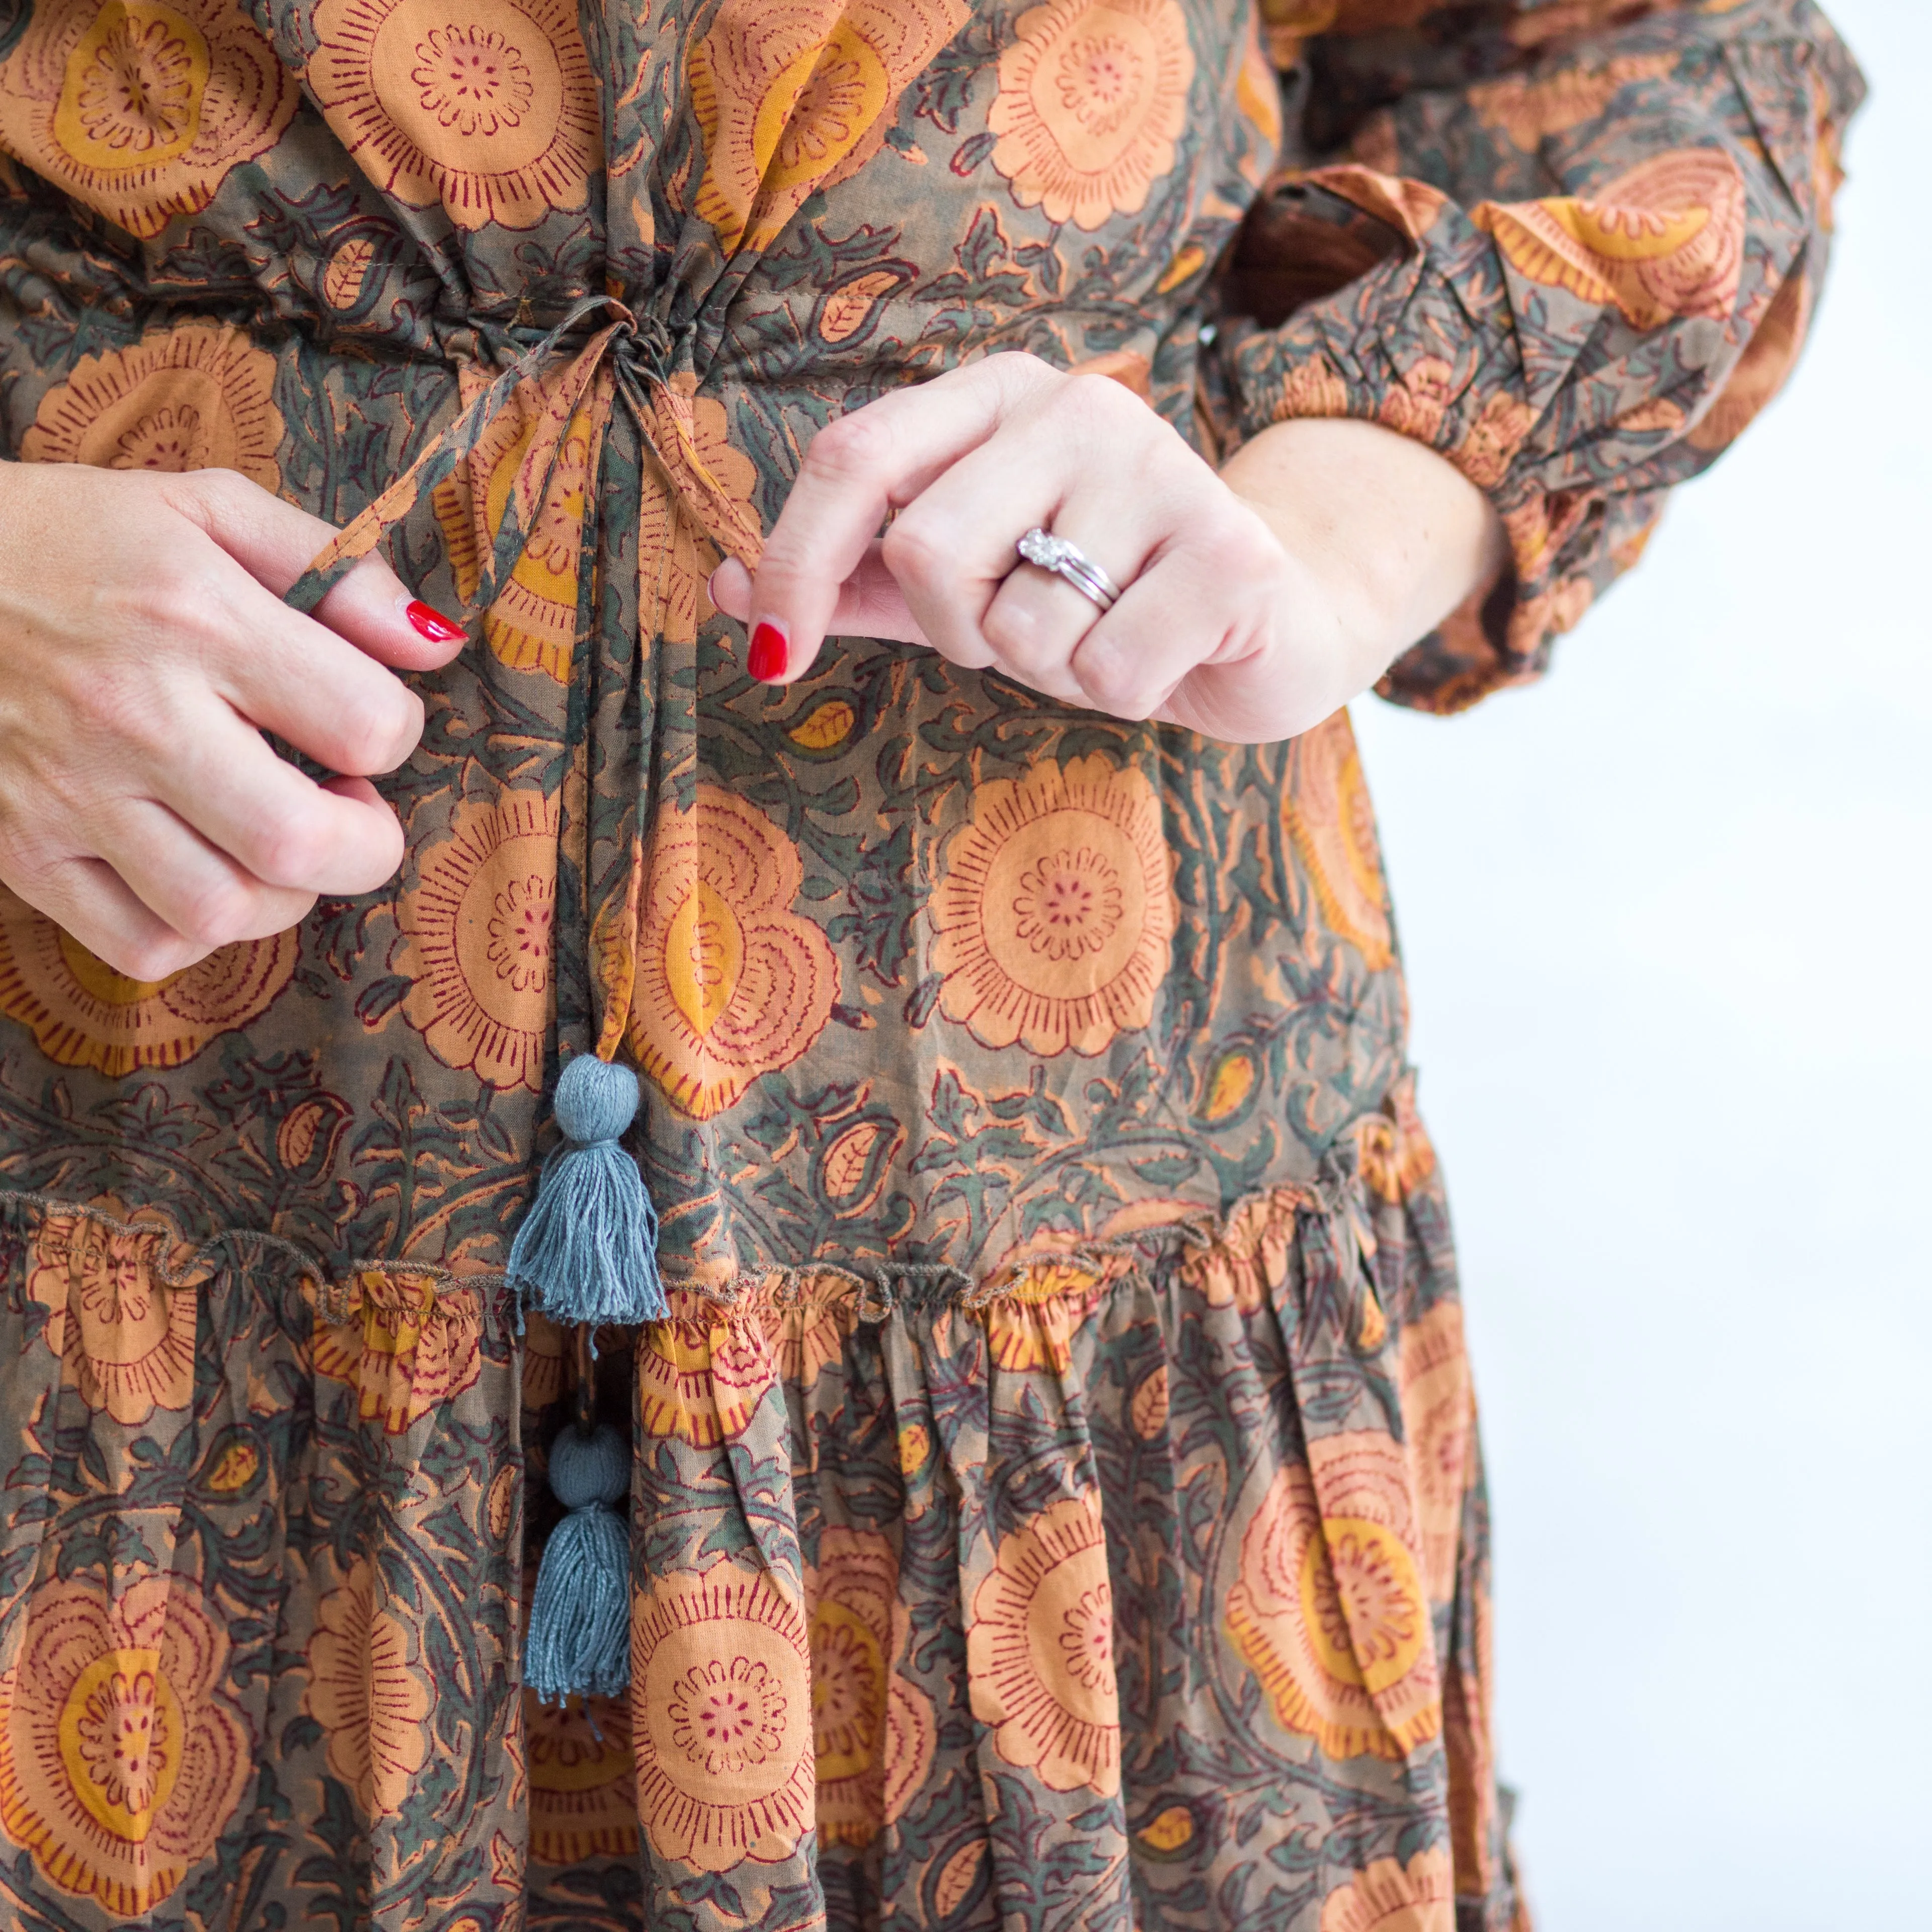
(1572, 247)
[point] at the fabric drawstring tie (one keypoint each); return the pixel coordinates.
(580, 1640)
(587, 1250)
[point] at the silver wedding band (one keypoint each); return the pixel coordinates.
(1046, 551)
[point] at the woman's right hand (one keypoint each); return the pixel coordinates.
(144, 649)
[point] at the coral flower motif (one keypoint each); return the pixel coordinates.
(1092, 96)
(852, 1592)
(81, 1012)
(1054, 911)
(1040, 1651)
(199, 396)
(730, 983)
(793, 95)
(721, 1713)
(407, 1348)
(583, 1802)
(139, 109)
(121, 1758)
(1329, 1610)
(1664, 240)
(126, 1339)
(477, 929)
(488, 106)
(1439, 1414)
(365, 1690)
(1327, 814)
(1390, 1897)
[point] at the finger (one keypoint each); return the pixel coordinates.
(88, 900)
(288, 674)
(274, 821)
(193, 888)
(274, 542)
(855, 472)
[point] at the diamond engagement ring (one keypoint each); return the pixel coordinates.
(1042, 547)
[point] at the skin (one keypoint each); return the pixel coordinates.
(144, 648)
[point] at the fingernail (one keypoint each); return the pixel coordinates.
(767, 660)
(432, 624)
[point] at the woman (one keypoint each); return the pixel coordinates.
(1053, 1496)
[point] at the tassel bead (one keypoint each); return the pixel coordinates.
(580, 1640)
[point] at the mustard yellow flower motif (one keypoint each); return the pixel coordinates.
(197, 397)
(487, 106)
(1030, 1323)
(1039, 1650)
(851, 1592)
(409, 1348)
(478, 938)
(1329, 1610)
(1093, 97)
(367, 1691)
(125, 1339)
(1326, 812)
(793, 95)
(701, 1382)
(583, 1796)
(807, 1334)
(730, 983)
(1053, 913)
(140, 109)
(532, 625)
(721, 1715)
(1391, 1897)
(122, 1759)
(81, 1012)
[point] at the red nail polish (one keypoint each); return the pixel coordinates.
(432, 624)
(767, 660)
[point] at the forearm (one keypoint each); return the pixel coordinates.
(1396, 536)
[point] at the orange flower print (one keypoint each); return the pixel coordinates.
(367, 1692)
(1665, 239)
(1040, 1651)
(721, 1715)
(478, 937)
(532, 625)
(1030, 1323)
(199, 396)
(488, 106)
(730, 982)
(1530, 109)
(546, 1361)
(1439, 1414)
(912, 1736)
(1768, 358)
(582, 1785)
(666, 530)
(121, 1759)
(701, 1381)
(1054, 911)
(794, 95)
(141, 110)
(408, 1348)
(1329, 1612)
(81, 1012)
(1092, 96)
(125, 1339)
(1148, 1411)
(1329, 821)
(807, 1335)
(1390, 1897)
(852, 1593)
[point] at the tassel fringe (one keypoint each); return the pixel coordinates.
(588, 1248)
(579, 1639)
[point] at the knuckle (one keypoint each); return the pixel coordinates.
(217, 914)
(288, 848)
(915, 551)
(375, 731)
(154, 958)
(854, 448)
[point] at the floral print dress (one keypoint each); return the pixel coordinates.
(1055, 1499)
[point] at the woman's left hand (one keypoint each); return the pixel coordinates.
(1253, 603)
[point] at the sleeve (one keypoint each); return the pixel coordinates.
(1573, 246)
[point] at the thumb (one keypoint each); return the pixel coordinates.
(273, 542)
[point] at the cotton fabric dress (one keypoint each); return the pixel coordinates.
(1056, 1498)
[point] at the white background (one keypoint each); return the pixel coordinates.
(1668, 921)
